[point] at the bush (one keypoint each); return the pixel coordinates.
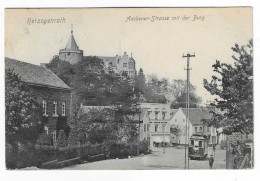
(62, 139)
(27, 156)
(82, 138)
(45, 153)
(10, 156)
(44, 139)
(62, 124)
(73, 139)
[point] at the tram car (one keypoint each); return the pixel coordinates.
(198, 147)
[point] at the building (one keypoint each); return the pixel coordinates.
(157, 127)
(52, 93)
(195, 124)
(71, 52)
(119, 64)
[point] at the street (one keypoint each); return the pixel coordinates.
(172, 159)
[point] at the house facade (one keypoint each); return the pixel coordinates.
(51, 92)
(195, 125)
(157, 126)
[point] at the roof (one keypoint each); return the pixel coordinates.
(197, 115)
(35, 74)
(87, 109)
(173, 112)
(111, 60)
(71, 45)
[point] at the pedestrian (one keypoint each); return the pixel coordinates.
(211, 161)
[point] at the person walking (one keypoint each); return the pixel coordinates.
(211, 161)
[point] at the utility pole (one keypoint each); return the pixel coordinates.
(187, 109)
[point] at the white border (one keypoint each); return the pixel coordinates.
(229, 175)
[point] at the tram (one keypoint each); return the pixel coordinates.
(198, 147)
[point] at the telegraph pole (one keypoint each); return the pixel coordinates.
(187, 109)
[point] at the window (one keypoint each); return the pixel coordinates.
(175, 120)
(144, 127)
(200, 129)
(44, 107)
(156, 115)
(149, 114)
(163, 128)
(163, 115)
(208, 129)
(192, 142)
(148, 126)
(196, 129)
(55, 108)
(200, 144)
(156, 128)
(63, 108)
(125, 65)
(183, 120)
(46, 129)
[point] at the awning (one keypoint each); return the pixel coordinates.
(157, 139)
(167, 139)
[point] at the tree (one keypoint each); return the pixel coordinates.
(233, 86)
(23, 113)
(177, 93)
(140, 85)
(23, 117)
(176, 131)
(73, 139)
(62, 139)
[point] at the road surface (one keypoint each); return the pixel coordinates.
(172, 159)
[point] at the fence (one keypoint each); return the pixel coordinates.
(239, 152)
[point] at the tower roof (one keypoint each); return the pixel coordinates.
(71, 45)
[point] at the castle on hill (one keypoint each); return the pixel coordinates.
(120, 64)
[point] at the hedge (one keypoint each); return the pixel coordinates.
(88, 152)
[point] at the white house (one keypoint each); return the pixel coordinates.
(195, 124)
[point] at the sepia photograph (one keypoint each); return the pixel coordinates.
(129, 88)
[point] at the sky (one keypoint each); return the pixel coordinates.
(157, 46)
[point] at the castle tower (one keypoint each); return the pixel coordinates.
(71, 52)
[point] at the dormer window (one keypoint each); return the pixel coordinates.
(125, 65)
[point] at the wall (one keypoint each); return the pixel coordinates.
(51, 95)
(71, 56)
(179, 119)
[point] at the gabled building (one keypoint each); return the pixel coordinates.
(195, 124)
(52, 93)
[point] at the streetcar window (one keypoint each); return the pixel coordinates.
(192, 142)
(200, 144)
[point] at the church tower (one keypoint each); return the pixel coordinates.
(71, 52)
